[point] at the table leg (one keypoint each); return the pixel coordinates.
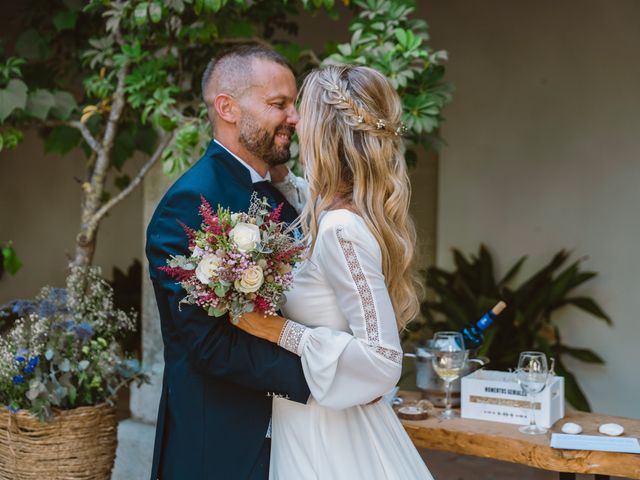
(566, 476)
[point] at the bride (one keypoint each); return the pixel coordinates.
(355, 291)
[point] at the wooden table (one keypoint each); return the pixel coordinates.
(503, 441)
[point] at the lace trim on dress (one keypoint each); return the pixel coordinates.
(366, 298)
(291, 335)
(393, 355)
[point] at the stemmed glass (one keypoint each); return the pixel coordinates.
(449, 357)
(532, 374)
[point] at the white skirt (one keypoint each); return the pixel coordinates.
(310, 442)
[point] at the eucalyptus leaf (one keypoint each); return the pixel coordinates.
(65, 365)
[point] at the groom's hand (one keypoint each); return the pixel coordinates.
(263, 326)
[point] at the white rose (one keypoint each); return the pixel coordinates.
(207, 267)
(246, 236)
(251, 280)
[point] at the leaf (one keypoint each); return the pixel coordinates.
(145, 139)
(140, 13)
(123, 148)
(221, 290)
(65, 20)
(83, 364)
(589, 305)
(39, 103)
(582, 354)
(65, 365)
(13, 96)
(572, 391)
(31, 45)
(65, 104)
(155, 12)
(122, 181)
(73, 394)
(49, 354)
(217, 312)
(10, 261)
(513, 271)
(62, 140)
(212, 5)
(401, 36)
(73, 5)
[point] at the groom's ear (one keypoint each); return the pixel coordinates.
(226, 108)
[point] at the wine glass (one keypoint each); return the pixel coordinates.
(532, 374)
(449, 357)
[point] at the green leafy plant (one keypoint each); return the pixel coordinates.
(463, 295)
(120, 78)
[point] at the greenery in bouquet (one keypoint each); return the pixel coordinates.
(64, 349)
(239, 262)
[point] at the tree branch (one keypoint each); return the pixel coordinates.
(86, 134)
(95, 219)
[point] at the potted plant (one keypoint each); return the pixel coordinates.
(460, 297)
(61, 366)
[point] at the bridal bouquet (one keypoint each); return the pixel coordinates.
(238, 262)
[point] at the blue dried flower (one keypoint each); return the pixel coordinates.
(84, 331)
(12, 409)
(20, 359)
(18, 379)
(21, 308)
(33, 361)
(28, 369)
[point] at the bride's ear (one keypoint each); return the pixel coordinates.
(226, 108)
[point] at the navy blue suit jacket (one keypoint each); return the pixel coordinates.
(214, 410)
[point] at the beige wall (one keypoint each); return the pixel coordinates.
(544, 153)
(40, 212)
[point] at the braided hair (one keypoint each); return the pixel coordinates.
(351, 148)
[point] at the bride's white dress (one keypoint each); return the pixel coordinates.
(344, 329)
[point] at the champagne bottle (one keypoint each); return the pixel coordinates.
(474, 334)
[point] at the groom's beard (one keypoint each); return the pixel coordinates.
(262, 143)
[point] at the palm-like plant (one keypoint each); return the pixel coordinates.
(465, 294)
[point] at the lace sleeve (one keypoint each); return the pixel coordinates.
(350, 368)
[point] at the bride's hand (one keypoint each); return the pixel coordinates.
(259, 325)
(278, 173)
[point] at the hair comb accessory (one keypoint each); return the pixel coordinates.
(380, 124)
(401, 130)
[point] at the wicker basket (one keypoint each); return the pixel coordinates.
(74, 444)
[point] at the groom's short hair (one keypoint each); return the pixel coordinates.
(231, 70)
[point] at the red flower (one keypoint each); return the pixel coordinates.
(262, 303)
(178, 273)
(275, 214)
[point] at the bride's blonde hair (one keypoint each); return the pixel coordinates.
(351, 148)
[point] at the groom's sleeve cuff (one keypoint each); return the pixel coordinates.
(293, 337)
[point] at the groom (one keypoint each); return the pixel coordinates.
(215, 407)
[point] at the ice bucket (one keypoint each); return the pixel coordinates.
(428, 381)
